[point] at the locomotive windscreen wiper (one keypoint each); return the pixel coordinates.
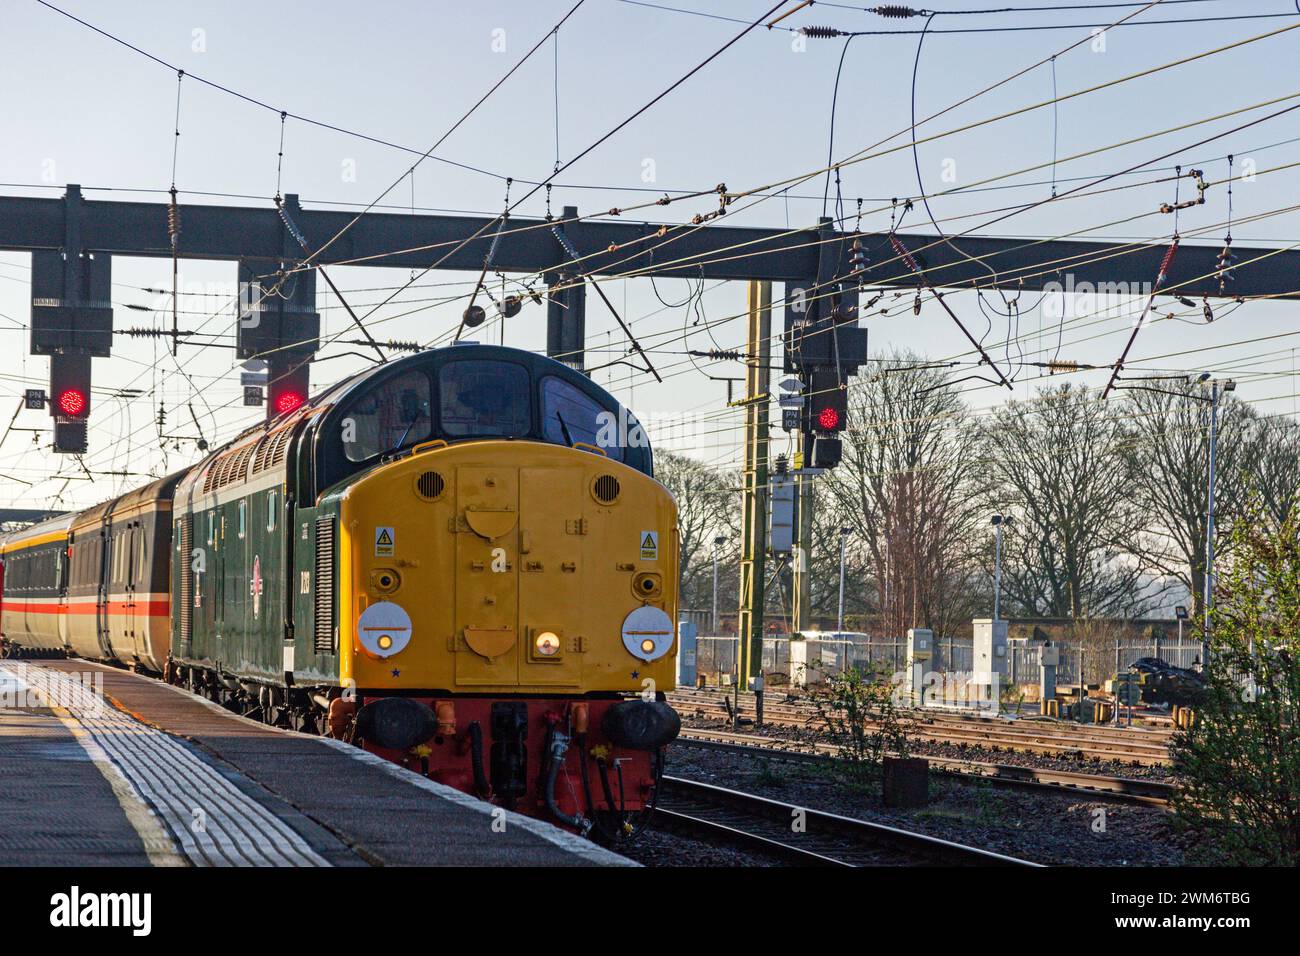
(411, 406)
(568, 439)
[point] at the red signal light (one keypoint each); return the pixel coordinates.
(72, 402)
(287, 402)
(828, 419)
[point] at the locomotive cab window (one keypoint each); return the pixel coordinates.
(570, 415)
(484, 399)
(395, 415)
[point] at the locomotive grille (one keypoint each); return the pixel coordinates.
(187, 581)
(606, 489)
(324, 618)
(430, 485)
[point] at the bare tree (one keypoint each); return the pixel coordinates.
(1168, 457)
(1275, 467)
(707, 507)
(1055, 462)
(904, 487)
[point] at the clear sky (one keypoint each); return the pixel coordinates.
(77, 107)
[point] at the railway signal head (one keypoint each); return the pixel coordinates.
(72, 402)
(828, 409)
(70, 385)
(287, 401)
(286, 389)
(828, 419)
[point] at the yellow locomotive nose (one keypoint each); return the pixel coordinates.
(525, 568)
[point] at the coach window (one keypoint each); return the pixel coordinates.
(479, 398)
(395, 414)
(570, 415)
(243, 518)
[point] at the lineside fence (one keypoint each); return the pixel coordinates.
(716, 657)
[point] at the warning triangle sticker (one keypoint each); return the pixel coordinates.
(649, 541)
(384, 538)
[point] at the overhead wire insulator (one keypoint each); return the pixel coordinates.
(857, 259)
(565, 243)
(821, 33)
(298, 235)
(174, 221)
(896, 11)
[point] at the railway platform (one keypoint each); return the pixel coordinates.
(102, 766)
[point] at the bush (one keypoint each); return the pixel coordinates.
(1239, 763)
(859, 712)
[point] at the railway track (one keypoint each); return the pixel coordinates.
(803, 707)
(1141, 747)
(825, 839)
(1095, 786)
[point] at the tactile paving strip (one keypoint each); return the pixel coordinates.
(213, 822)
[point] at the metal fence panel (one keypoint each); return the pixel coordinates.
(717, 657)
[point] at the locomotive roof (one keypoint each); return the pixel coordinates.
(332, 394)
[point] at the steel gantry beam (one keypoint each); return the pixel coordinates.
(611, 247)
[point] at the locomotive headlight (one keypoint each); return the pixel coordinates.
(648, 633)
(547, 644)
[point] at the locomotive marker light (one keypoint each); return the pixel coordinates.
(648, 633)
(547, 644)
(384, 629)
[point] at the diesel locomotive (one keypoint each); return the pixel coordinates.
(459, 560)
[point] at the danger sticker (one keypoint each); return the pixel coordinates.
(385, 542)
(649, 545)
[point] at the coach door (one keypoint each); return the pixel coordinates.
(102, 636)
(134, 567)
